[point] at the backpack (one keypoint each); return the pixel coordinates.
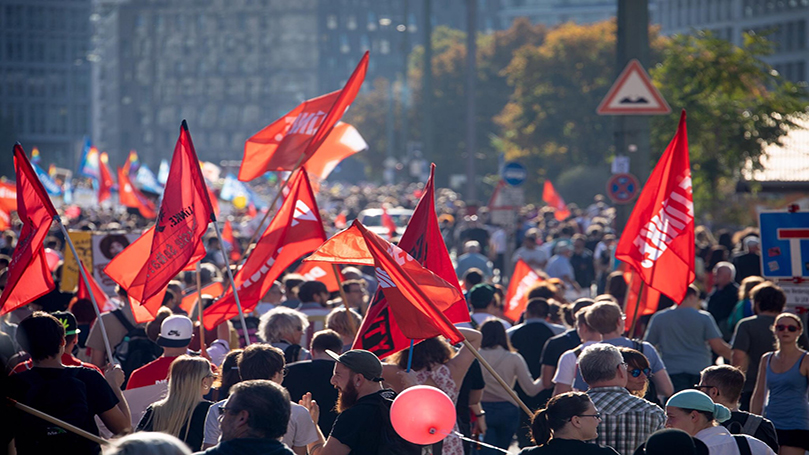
(252, 329)
(391, 443)
(135, 349)
(750, 426)
(743, 444)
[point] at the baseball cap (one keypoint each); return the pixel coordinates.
(175, 332)
(68, 321)
(360, 361)
(481, 295)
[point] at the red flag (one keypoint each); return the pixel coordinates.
(182, 221)
(417, 297)
(296, 230)
(101, 298)
(517, 295)
(230, 242)
(388, 223)
(319, 271)
(340, 222)
(8, 204)
(214, 200)
(649, 298)
(343, 142)
(380, 333)
(105, 181)
(300, 132)
(132, 197)
(658, 241)
(553, 199)
(28, 267)
(122, 271)
(214, 289)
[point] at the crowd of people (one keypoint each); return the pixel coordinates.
(725, 371)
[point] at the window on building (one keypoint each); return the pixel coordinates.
(351, 22)
(331, 21)
(372, 24)
(800, 35)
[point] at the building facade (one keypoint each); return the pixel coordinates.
(785, 22)
(555, 12)
(45, 97)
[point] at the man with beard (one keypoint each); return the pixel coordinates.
(363, 425)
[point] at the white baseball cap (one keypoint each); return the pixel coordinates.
(176, 332)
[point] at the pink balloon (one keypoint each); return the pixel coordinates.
(52, 258)
(423, 415)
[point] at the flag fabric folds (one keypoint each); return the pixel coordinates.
(553, 199)
(105, 181)
(89, 164)
(319, 271)
(645, 298)
(231, 245)
(416, 296)
(341, 143)
(8, 204)
(188, 301)
(658, 241)
(147, 180)
(295, 230)
(102, 299)
(28, 274)
(130, 196)
(523, 278)
(181, 222)
(298, 134)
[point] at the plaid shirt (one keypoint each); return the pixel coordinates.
(627, 419)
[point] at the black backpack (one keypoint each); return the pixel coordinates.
(391, 443)
(135, 349)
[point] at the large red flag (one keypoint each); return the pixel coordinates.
(416, 296)
(132, 197)
(279, 146)
(296, 230)
(422, 240)
(101, 298)
(182, 221)
(341, 143)
(517, 295)
(658, 241)
(105, 181)
(553, 199)
(28, 274)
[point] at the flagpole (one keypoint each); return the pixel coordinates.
(250, 247)
(637, 306)
(351, 325)
(90, 289)
(232, 284)
(200, 310)
(58, 422)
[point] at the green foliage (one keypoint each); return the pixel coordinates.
(580, 184)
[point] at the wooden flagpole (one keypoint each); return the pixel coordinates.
(55, 421)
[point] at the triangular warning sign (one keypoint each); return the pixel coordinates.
(633, 94)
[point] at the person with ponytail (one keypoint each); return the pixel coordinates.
(563, 427)
(695, 413)
(182, 413)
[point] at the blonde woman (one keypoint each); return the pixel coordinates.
(182, 413)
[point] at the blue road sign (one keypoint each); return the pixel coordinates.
(784, 244)
(514, 173)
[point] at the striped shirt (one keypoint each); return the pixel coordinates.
(627, 419)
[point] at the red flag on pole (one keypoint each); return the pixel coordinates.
(279, 146)
(416, 296)
(658, 241)
(130, 196)
(105, 181)
(231, 244)
(646, 299)
(379, 332)
(182, 221)
(341, 143)
(28, 274)
(319, 271)
(553, 199)
(517, 295)
(101, 298)
(296, 230)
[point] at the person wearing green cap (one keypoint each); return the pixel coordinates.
(71, 339)
(695, 413)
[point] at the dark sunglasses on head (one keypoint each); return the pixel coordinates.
(791, 328)
(637, 371)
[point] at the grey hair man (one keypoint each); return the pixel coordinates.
(627, 421)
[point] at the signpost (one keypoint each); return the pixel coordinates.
(784, 244)
(623, 188)
(514, 173)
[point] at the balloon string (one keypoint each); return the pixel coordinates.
(410, 355)
(474, 441)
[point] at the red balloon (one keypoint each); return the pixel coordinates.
(52, 258)
(423, 415)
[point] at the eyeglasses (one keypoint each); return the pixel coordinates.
(637, 371)
(701, 386)
(596, 415)
(791, 328)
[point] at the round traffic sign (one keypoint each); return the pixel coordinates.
(622, 188)
(514, 173)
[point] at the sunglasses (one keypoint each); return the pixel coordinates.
(637, 371)
(791, 328)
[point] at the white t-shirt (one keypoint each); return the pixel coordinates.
(566, 368)
(721, 442)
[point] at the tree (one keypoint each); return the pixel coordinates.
(736, 105)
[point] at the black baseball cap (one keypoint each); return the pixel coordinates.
(360, 361)
(68, 321)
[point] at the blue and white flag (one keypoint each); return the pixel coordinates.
(147, 180)
(51, 186)
(163, 172)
